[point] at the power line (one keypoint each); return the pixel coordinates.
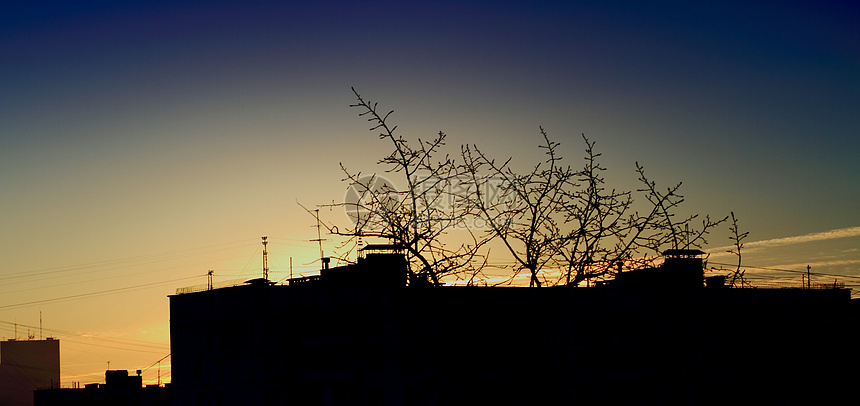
(111, 264)
(91, 294)
(102, 342)
(790, 271)
(114, 340)
(144, 369)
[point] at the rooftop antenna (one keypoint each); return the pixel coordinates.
(265, 259)
(319, 238)
(40, 324)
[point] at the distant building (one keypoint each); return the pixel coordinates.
(27, 365)
(357, 335)
(119, 388)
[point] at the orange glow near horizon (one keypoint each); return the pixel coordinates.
(143, 145)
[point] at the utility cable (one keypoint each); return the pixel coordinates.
(789, 270)
(91, 294)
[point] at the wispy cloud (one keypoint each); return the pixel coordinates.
(776, 242)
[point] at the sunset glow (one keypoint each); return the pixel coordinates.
(143, 144)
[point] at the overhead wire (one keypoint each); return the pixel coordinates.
(791, 271)
(64, 335)
(111, 264)
(95, 267)
(93, 294)
(47, 286)
(144, 369)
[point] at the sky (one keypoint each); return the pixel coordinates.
(143, 144)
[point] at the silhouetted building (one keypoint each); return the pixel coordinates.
(653, 336)
(681, 270)
(27, 365)
(379, 266)
(119, 388)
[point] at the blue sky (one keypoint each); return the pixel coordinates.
(147, 142)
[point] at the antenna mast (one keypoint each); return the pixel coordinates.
(319, 238)
(265, 259)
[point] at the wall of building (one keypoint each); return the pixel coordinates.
(334, 345)
(25, 366)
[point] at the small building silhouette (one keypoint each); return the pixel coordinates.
(379, 266)
(119, 388)
(681, 269)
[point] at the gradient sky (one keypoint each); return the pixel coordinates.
(144, 143)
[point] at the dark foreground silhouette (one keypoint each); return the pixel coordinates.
(357, 336)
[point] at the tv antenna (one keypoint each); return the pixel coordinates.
(265, 259)
(319, 238)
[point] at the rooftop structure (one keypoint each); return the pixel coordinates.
(120, 388)
(378, 266)
(681, 269)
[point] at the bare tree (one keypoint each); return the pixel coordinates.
(662, 227)
(599, 233)
(556, 216)
(417, 216)
(527, 218)
(737, 278)
(551, 217)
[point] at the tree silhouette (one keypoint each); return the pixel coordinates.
(527, 219)
(599, 232)
(557, 216)
(418, 215)
(553, 217)
(737, 277)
